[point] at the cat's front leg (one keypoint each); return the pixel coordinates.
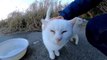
(57, 53)
(51, 54)
(76, 39)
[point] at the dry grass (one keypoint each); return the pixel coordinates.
(30, 20)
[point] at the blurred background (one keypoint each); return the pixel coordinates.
(25, 15)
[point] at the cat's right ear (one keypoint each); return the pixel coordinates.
(44, 23)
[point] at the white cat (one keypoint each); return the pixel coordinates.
(56, 33)
(78, 22)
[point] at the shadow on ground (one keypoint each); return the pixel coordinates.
(37, 50)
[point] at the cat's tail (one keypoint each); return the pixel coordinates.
(49, 11)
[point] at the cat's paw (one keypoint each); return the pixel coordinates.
(52, 56)
(57, 53)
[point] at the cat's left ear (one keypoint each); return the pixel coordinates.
(72, 22)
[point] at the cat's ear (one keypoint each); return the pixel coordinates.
(44, 23)
(72, 22)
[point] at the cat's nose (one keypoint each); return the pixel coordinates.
(58, 39)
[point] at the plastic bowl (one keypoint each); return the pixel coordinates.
(13, 49)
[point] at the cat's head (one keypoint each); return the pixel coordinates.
(60, 31)
(79, 21)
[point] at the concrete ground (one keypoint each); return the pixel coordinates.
(37, 50)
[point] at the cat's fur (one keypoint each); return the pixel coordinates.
(56, 33)
(78, 22)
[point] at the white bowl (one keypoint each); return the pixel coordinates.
(13, 49)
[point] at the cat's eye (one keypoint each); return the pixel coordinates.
(52, 31)
(63, 32)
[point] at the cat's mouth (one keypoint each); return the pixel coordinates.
(58, 42)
